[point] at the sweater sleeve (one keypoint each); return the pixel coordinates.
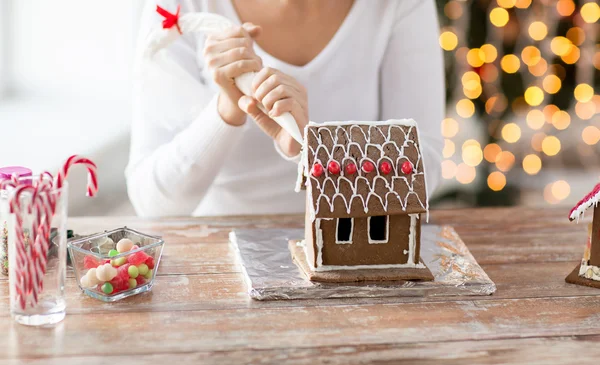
(178, 139)
(412, 79)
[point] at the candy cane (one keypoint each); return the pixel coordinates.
(92, 184)
(175, 25)
(22, 270)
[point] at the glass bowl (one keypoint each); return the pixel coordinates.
(115, 264)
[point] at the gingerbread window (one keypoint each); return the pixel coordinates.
(378, 229)
(345, 226)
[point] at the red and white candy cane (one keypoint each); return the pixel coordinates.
(22, 260)
(92, 185)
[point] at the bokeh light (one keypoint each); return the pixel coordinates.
(552, 84)
(531, 55)
(565, 7)
(585, 111)
(453, 9)
(532, 164)
(491, 151)
(511, 132)
(505, 161)
(561, 120)
(448, 40)
(510, 63)
(538, 31)
(590, 12)
(489, 53)
(561, 190)
(465, 174)
(465, 108)
(561, 46)
(535, 119)
(534, 96)
(523, 4)
(496, 181)
(576, 35)
(499, 17)
(572, 56)
(475, 57)
(583, 93)
(539, 69)
(448, 169)
(472, 155)
(551, 145)
(449, 127)
(590, 135)
(449, 148)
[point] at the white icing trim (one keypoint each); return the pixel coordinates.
(335, 183)
(387, 231)
(589, 271)
(412, 237)
(337, 226)
(319, 242)
(593, 201)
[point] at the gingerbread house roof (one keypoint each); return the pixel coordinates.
(588, 201)
(358, 169)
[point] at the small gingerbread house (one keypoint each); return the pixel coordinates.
(366, 192)
(588, 273)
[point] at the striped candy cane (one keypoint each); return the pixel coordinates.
(92, 185)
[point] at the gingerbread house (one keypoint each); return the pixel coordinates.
(588, 272)
(366, 194)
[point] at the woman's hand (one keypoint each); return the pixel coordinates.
(278, 93)
(228, 55)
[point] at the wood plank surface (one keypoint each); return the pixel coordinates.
(198, 311)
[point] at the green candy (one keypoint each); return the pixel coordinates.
(107, 288)
(112, 253)
(148, 275)
(132, 283)
(133, 272)
(118, 262)
(143, 269)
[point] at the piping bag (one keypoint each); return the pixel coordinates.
(174, 25)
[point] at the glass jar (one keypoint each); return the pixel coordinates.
(37, 264)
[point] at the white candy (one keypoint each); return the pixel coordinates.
(124, 245)
(85, 283)
(91, 277)
(106, 272)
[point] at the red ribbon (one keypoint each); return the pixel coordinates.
(170, 19)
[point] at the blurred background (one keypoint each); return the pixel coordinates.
(522, 125)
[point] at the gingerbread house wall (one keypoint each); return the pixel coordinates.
(595, 249)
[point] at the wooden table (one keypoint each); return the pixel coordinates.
(198, 311)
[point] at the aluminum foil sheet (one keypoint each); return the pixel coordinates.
(270, 273)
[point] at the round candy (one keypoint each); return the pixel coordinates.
(112, 253)
(333, 167)
(107, 288)
(90, 262)
(85, 283)
(92, 277)
(148, 275)
(385, 167)
(368, 166)
(143, 269)
(350, 169)
(118, 262)
(407, 167)
(132, 283)
(124, 245)
(317, 170)
(133, 271)
(106, 272)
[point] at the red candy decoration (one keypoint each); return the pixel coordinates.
(407, 167)
(317, 170)
(140, 280)
(137, 258)
(368, 166)
(385, 167)
(89, 262)
(350, 169)
(150, 262)
(333, 167)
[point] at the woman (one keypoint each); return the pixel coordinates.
(213, 152)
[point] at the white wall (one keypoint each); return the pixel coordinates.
(70, 81)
